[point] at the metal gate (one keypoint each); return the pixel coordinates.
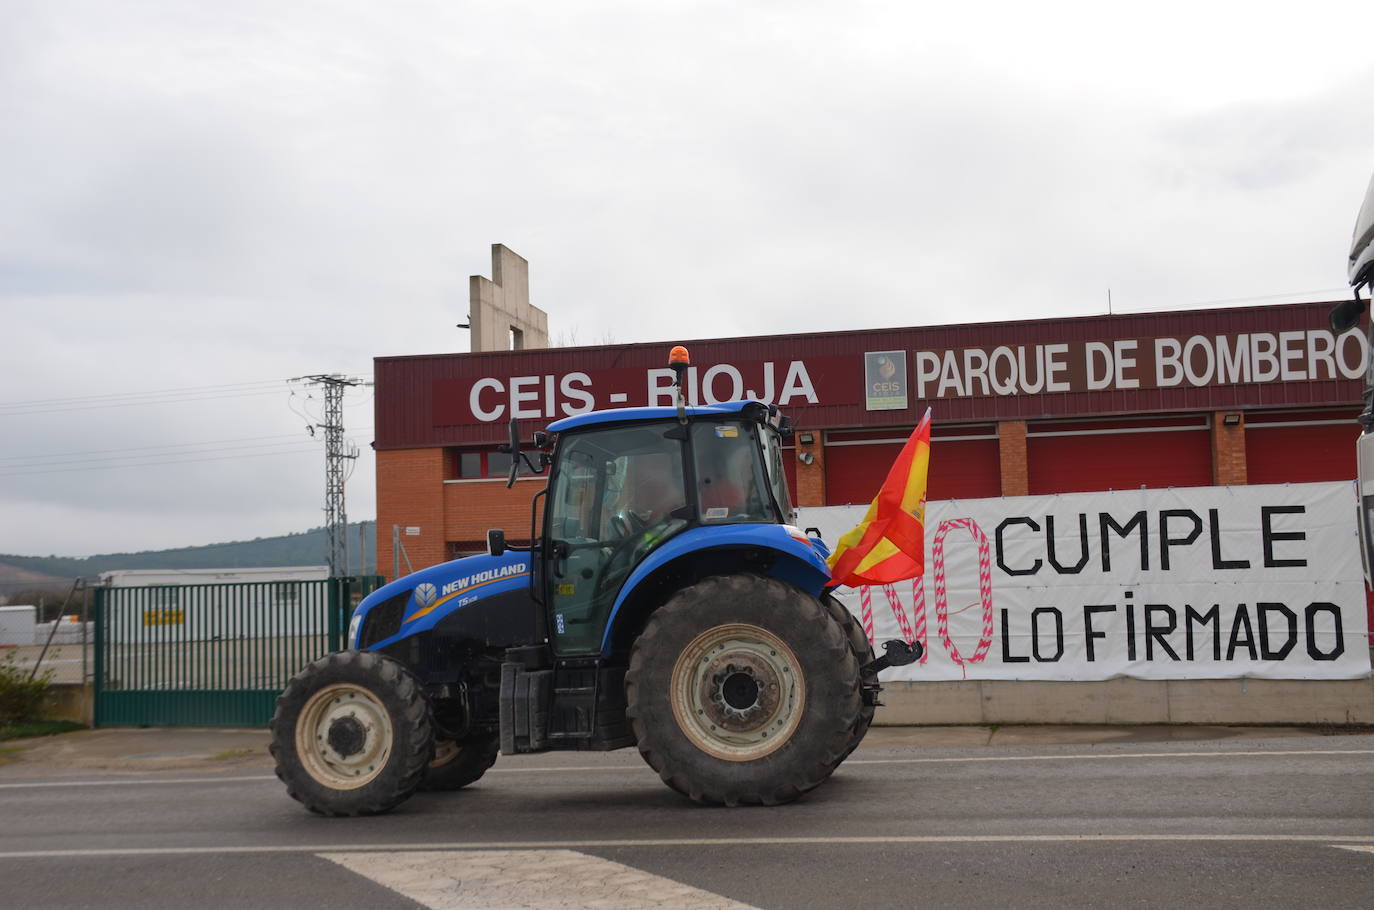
(212, 655)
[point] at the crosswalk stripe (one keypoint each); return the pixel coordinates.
(528, 879)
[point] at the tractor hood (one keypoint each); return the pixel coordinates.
(415, 601)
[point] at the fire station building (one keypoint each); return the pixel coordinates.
(1252, 395)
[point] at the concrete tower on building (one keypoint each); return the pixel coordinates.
(502, 318)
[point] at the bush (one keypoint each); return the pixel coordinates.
(21, 698)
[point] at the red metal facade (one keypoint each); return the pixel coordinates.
(428, 401)
(1119, 461)
(1301, 447)
(856, 463)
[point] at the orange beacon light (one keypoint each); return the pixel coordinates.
(679, 361)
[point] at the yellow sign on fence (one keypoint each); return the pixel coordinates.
(164, 617)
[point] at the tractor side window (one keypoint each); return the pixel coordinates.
(574, 512)
(777, 474)
(618, 493)
(730, 475)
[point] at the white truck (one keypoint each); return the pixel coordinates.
(1343, 318)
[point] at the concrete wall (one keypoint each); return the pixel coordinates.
(502, 303)
(74, 702)
(1129, 701)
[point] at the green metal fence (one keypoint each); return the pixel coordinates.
(215, 654)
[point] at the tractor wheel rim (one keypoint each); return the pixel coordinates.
(344, 736)
(445, 751)
(738, 692)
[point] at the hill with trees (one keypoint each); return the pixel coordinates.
(306, 548)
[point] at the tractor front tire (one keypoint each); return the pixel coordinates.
(352, 735)
(743, 690)
(457, 764)
(863, 653)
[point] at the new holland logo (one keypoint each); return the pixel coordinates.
(425, 594)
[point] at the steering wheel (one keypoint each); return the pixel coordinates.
(625, 550)
(627, 523)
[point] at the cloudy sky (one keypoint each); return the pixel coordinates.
(200, 201)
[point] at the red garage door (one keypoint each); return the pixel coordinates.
(1300, 447)
(963, 463)
(1084, 456)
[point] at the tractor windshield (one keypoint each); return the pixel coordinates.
(733, 485)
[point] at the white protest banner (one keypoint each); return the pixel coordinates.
(1191, 583)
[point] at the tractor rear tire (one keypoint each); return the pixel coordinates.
(352, 735)
(743, 690)
(457, 764)
(862, 649)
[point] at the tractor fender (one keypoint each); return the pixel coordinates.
(434, 593)
(798, 562)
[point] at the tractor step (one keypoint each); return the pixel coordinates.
(568, 707)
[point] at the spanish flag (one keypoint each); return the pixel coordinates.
(889, 544)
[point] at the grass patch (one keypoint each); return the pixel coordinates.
(38, 728)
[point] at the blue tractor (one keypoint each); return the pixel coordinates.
(665, 602)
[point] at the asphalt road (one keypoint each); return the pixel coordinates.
(1244, 823)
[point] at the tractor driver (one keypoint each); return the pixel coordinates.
(727, 491)
(656, 488)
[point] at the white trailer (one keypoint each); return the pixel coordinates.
(161, 605)
(138, 578)
(16, 626)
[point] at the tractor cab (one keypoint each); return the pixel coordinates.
(627, 482)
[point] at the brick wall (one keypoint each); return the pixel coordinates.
(409, 485)
(1011, 448)
(811, 477)
(471, 508)
(412, 492)
(1228, 450)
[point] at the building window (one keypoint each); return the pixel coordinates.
(457, 549)
(478, 464)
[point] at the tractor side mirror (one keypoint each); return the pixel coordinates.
(514, 449)
(1346, 315)
(496, 542)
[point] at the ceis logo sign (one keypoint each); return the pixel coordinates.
(885, 380)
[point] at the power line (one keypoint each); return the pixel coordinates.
(148, 451)
(176, 445)
(182, 389)
(98, 459)
(170, 457)
(145, 464)
(23, 412)
(130, 399)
